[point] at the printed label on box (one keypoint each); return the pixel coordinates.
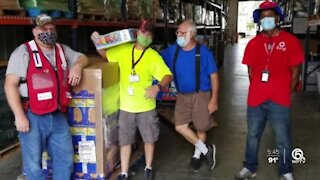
(87, 151)
(90, 103)
(84, 168)
(78, 102)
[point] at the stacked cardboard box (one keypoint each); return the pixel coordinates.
(93, 119)
(81, 116)
(114, 10)
(46, 164)
(96, 7)
(94, 128)
(60, 5)
(9, 4)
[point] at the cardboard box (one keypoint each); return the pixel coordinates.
(168, 93)
(81, 134)
(81, 111)
(46, 164)
(116, 38)
(97, 80)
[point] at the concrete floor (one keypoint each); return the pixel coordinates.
(173, 153)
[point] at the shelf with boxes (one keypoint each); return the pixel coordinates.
(8, 133)
(311, 67)
(297, 12)
(313, 22)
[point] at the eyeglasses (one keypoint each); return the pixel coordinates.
(180, 33)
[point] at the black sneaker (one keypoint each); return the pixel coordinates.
(148, 175)
(195, 164)
(122, 177)
(211, 156)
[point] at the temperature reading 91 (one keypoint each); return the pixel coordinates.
(273, 160)
(273, 156)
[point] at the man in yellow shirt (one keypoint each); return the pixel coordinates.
(139, 65)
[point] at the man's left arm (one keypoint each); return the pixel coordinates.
(76, 70)
(213, 103)
(295, 74)
(76, 62)
(212, 70)
(160, 71)
(152, 91)
(296, 56)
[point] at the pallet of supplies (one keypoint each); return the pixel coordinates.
(60, 5)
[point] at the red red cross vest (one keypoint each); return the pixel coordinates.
(48, 87)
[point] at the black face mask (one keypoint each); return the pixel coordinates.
(48, 38)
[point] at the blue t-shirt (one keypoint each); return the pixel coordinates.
(185, 67)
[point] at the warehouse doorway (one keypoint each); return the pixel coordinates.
(246, 27)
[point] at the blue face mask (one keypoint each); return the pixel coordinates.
(182, 41)
(268, 23)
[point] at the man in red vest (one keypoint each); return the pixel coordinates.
(37, 86)
(273, 58)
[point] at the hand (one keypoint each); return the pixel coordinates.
(152, 92)
(212, 106)
(95, 36)
(22, 123)
(75, 74)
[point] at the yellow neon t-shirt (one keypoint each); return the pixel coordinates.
(151, 66)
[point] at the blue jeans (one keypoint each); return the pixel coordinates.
(279, 118)
(50, 131)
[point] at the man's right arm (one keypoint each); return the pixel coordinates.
(13, 98)
(102, 52)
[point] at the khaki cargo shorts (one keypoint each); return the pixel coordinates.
(146, 122)
(193, 108)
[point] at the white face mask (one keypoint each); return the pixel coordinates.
(183, 40)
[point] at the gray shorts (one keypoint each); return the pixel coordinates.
(147, 122)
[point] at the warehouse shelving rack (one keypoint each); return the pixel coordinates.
(168, 29)
(312, 60)
(307, 71)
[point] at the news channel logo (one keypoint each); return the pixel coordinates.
(273, 156)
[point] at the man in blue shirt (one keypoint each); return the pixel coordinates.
(196, 80)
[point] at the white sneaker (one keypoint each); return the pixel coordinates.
(287, 176)
(245, 174)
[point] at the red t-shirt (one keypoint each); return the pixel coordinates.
(284, 51)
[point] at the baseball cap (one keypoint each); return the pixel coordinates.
(266, 5)
(146, 26)
(43, 19)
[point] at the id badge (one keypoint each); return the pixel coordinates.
(130, 90)
(265, 76)
(134, 78)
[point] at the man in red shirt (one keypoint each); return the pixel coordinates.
(273, 58)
